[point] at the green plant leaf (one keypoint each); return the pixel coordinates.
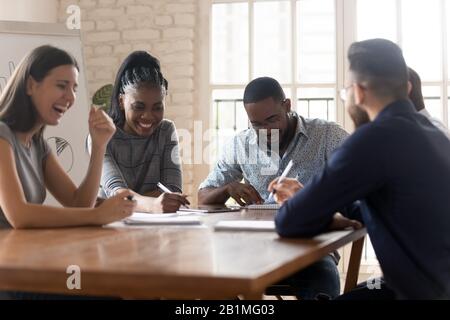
(102, 97)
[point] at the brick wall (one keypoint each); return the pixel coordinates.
(111, 29)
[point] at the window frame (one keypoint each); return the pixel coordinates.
(346, 34)
(294, 84)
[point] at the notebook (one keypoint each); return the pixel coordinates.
(161, 219)
(271, 206)
(244, 225)
(209, 209)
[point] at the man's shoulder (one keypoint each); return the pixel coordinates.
(370, 135)
(317, 122)
(320, 124)
(241, 138)
(244, 133)
(320, 128)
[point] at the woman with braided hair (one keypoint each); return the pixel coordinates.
(144, 149)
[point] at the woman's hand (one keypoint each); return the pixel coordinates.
(101, 128)
(169, 202)
(285, 189)
(115, 208)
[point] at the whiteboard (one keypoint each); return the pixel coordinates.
(68, 139)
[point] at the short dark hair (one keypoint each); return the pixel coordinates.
(138, 69)
(16, 108)
(263, 88)
(379, 65)
(415, 95)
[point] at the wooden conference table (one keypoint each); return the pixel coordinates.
(173, 262)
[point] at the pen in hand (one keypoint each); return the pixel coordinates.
(283, 175)
(167, 190)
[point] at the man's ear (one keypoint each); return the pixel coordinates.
(409, 87)
(287, 105)
(360, 94)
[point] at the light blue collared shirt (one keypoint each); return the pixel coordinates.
(312, 145)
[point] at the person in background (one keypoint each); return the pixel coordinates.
(415, 95)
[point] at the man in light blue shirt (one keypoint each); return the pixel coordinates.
(261, 153)
(250, 156)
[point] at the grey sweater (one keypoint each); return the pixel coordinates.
(139, 163)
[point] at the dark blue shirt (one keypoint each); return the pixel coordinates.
(394, 175)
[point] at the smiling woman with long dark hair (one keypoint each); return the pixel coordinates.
(39, 93)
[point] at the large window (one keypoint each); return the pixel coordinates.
(297, 42)
(291, 41)
(420, 27)
(303, 43)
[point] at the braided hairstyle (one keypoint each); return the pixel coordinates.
(137, 70)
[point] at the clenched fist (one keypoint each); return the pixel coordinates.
(101, 127)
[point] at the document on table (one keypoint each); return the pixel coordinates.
(139, 218)
(269, 206)
(209, 209)
(244, 225)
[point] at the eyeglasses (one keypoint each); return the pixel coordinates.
(343, 93)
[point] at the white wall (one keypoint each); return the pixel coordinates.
(29, 10)
(168, 29)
